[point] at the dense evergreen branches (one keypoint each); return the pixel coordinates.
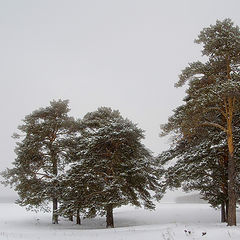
(87, 166)
(211, 105)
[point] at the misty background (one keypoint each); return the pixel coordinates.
(123, 54)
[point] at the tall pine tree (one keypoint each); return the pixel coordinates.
(43, 148)
(213, 93)
(114, 168)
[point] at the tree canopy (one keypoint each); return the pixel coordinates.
(212, 96)
(90, 165)
(42, 151)
(114, 167)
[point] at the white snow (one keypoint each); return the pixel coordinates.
(169, 222)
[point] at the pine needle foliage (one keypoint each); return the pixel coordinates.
(114, 168)
(42, 150)
(212, 96)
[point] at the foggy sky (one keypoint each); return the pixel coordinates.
(124, 54)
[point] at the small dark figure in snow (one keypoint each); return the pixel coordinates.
(186, 231)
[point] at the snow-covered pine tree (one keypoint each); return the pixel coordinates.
(114, 167)
(213, 93)
(42, 150)
(200, 164)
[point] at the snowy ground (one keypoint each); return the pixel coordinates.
(168, 222)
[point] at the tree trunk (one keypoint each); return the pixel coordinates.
(70, 217)
(78, 219)
(231, 192)
(109, 216)
(231, 161)
(231, 164)
(223, 212)
(55, 200)
(227, 211)
(54, 213)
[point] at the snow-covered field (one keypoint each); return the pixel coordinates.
(168, 222)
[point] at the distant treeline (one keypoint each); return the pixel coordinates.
(194, 198)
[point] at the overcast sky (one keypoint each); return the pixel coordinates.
(124, 54)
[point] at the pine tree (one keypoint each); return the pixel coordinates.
(199, 164)
(43, 149)
(114, 168)
(213, 93)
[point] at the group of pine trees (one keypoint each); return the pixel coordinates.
(95, 164)
(89, 166)
(205, 129)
